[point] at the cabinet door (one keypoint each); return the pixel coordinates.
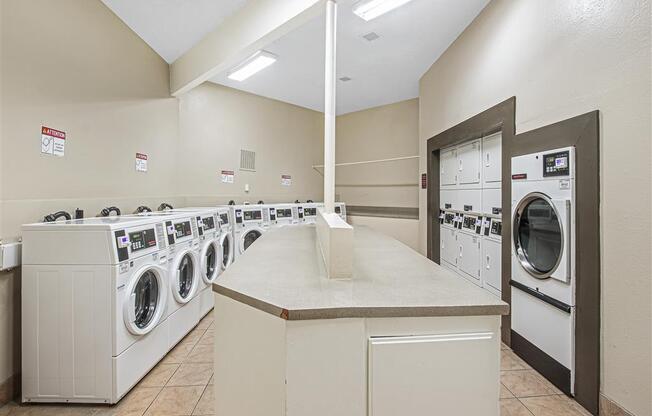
(448, 246)
(491, 256)
(448, 167)
(469, 200)
(469, 255)
(491, 201)
(468, 159)
(448, 198)
(492, 160)
(448, 374)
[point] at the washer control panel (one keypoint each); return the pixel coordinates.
(556, 164)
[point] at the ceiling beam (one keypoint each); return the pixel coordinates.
(253, 27)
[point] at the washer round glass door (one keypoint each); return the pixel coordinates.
(211, 266)
(145, 302)
(185, 283)
(538, 235)
(227, 250)
(249, 237)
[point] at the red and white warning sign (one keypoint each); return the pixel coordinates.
(53, 142)
(141, 162)
(227, 176)
(286, 180)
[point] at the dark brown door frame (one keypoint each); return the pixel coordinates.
(583, 133)
(500, 117)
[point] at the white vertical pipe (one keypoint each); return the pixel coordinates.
(329, 107)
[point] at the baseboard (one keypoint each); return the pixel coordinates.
(9, 389)
(610, 408)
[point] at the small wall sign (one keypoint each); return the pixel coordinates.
(141, 162)
(228, 176)
(424, 181)
(53, 142)
(286, 180)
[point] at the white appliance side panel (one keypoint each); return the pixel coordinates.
(469, 200)
(206, 301)
(448, 246)
(492, 161)
(448, 168)
(547, 327)
(491, 265)
(56, 247)
(469, 255)
(432, 375)
(491, 201)
(67, 333)
(469, 164)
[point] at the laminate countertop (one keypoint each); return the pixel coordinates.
(283, 274)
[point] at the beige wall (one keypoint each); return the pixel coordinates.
(72, 65)
(563, 58)
(383, 132)
(216, 122)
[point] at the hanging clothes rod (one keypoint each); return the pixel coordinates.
(365, 162)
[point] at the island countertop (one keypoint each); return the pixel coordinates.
(283, 274)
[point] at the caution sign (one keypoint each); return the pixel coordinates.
(286, 180)
(53, 142)
(141, 162)
(227, 176)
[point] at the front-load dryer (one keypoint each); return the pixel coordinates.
(543, 262)
(250, 223)
(94, 294)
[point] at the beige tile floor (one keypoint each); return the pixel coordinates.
(180, 385)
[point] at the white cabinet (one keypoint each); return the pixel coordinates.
(448, 199)
(448, 166)
(469, 167)
(491, 201)
(491, 261)
(492, 161)
(448, 246)
(420, 375)
(469, 200)
(468, 261)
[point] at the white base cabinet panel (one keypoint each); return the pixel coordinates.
(266, 366)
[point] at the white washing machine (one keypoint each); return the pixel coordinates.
(226, 236)
(184, 264)
(250, 223)
(340, 209)
(94, 294)
(448, 239)
(211, 253)
(310, 212)
(469, 246)
(281, 215)
(543, 256)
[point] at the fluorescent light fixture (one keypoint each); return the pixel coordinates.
(255, 63)
(371, 9)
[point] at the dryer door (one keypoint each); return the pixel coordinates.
(541, 236)
(146, 301)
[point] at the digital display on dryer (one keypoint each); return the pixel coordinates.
(209, 222)
(224, 218)
(182, 229)
(141, 240)
(253, 215)
(556, 164)
(283, 212)
(310, 212)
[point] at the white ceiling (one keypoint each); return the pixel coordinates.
(172, 27)
(384, 71)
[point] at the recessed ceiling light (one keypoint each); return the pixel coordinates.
(371, 36)
(255, 63)
(370, 9)
(345, 79)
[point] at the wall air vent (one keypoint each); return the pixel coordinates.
(371, 36)
(247, 160)
(345, 79)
